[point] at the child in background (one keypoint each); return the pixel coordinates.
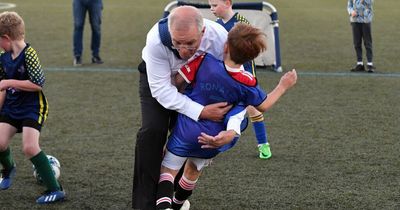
(23, 106)
(204, 75)
(222, 9)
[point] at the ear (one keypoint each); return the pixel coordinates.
(226, 48)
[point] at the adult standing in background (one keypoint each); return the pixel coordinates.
(190, 35)
(361, 14)
(80, 8)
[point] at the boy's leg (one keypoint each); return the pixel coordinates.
(366, 28)
(187, 183)
(165, 189)
(31, 149)
(357, 40)
(7, 131)
(257, 119)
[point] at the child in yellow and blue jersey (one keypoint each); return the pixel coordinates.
(222, 9)
(23, 106)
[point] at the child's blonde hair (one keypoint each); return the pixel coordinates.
(12, 25)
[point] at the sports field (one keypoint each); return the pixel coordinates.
(334, 137)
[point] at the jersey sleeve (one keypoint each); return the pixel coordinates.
(254, 96)
(189, 70)
(34, 68)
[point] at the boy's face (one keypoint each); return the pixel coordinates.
(5, 43)
(219, 7)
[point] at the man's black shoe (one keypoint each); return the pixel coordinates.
(358, 68)
(97, 60)
(371, 68)
(77, 61)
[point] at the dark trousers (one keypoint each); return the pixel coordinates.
(151, 138)
(362, 32)
(80, 8)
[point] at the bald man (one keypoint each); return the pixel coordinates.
(160, 100)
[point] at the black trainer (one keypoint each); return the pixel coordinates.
(358, 68)
(97, 60)
(77, 61)
(371, 68)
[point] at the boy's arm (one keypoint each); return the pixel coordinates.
(24, 85)
(287, 81)
(2, 98)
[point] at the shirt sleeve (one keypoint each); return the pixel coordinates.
(159, 75)
(34, 68)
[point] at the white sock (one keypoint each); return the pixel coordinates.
(359, 63)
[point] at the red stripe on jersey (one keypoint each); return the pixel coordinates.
(189, 70)
(244, 77)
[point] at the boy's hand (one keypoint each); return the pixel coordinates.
(4, 85)
(212, 142)
(288, 79)
(354, 13)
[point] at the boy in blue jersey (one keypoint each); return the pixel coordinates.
(210, 80)
(23, 106)
(222, 9)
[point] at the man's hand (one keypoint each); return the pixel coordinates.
(354, 13)
(212, 142)
(215, 112)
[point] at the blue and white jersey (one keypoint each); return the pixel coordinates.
(21, 104)
(363, 9)
(210, 82)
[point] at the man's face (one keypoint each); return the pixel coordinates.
(186, 41)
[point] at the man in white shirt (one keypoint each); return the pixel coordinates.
(190, 36)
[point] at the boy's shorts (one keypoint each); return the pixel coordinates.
(175, 162)
(19, 124)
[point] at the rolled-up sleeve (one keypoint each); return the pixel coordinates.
(158, 69)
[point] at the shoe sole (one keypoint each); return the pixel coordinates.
(264, 157)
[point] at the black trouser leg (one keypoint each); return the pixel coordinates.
(149, 148)
(367, 36)
(357, 39)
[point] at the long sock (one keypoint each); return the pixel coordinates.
(165, 191)
(6, 159)
(45, 171)
(259, 129)
(183, 191)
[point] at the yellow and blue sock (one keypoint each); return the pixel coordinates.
(259, 129)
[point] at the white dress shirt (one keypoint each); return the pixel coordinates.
(162, 65)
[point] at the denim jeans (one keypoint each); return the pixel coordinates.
(80, 8)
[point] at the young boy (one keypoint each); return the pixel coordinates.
(204, 74)
(361, 13)
(222, 9)
(23, 106)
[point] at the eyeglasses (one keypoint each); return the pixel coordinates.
(190, 48)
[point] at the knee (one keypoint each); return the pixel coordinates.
(30, 150)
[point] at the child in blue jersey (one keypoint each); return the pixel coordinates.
(23, 106)
(210, 80)
(222, 9)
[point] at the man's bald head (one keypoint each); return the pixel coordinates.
(184, 18)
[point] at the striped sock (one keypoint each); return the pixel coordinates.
(165, 191)
(183, 191)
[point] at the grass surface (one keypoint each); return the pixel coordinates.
(334, 139)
